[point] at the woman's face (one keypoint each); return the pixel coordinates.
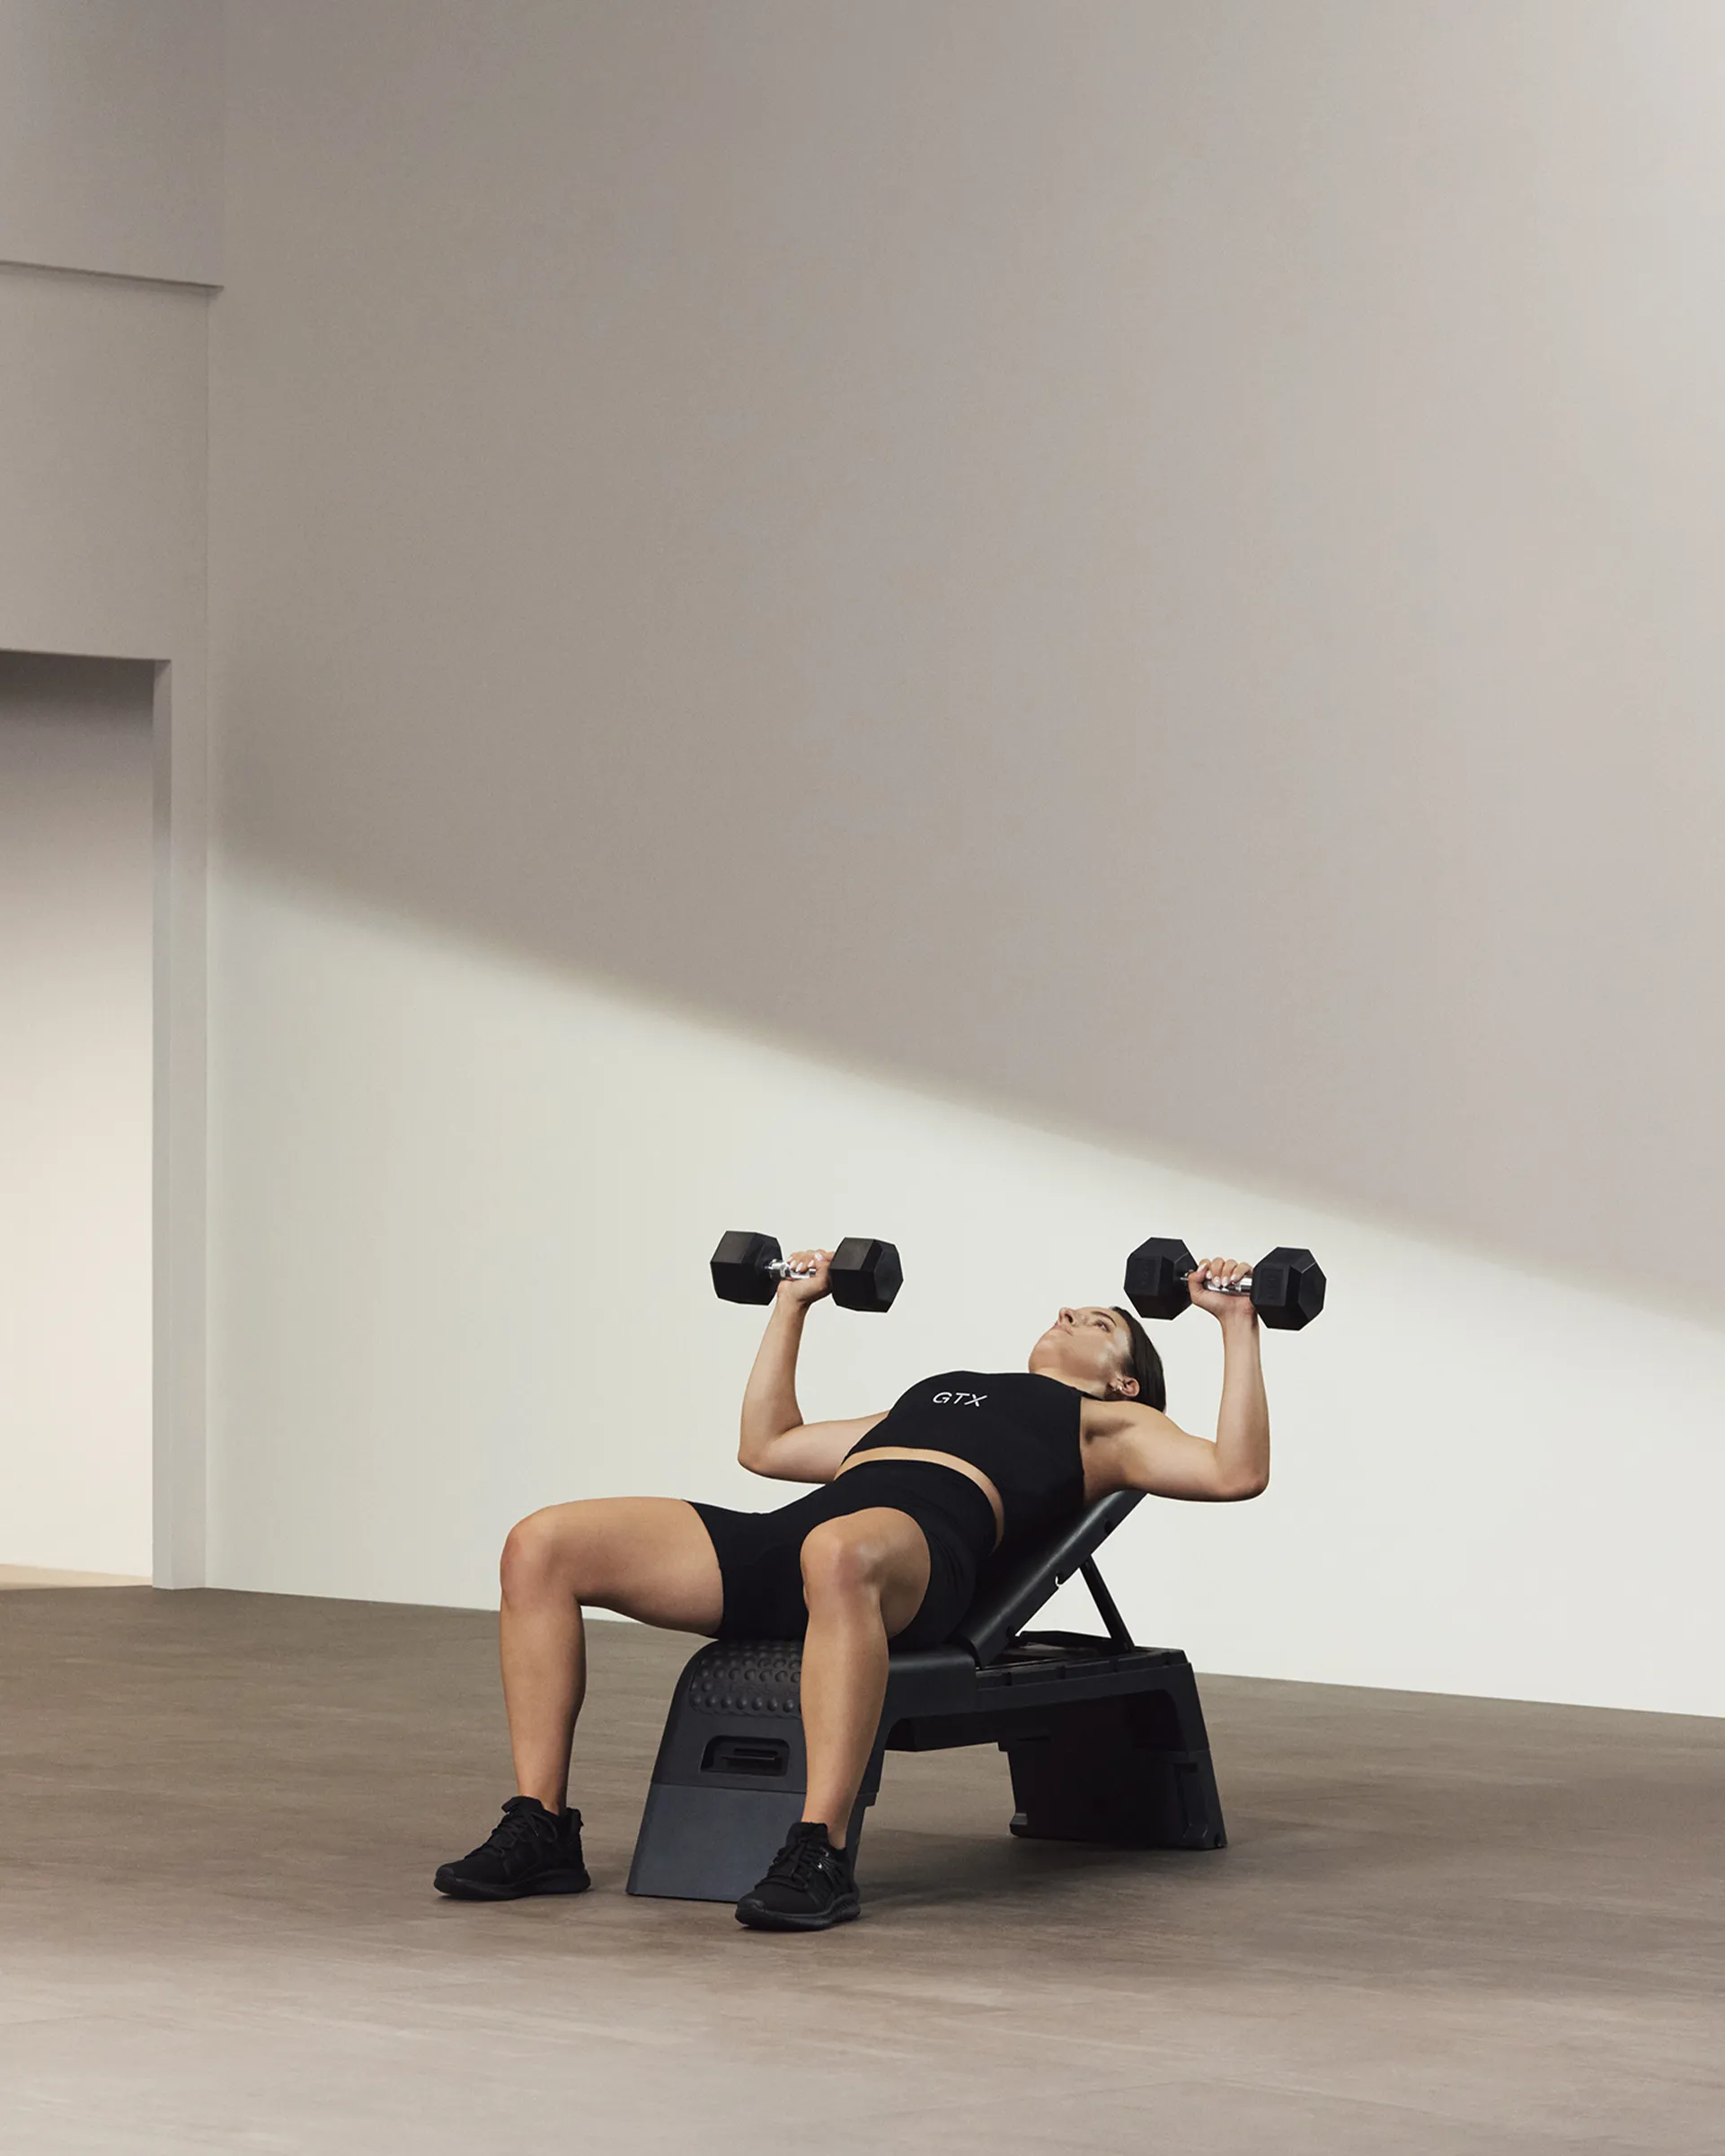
(1087, 1347)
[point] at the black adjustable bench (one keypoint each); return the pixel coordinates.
(1105, 1740)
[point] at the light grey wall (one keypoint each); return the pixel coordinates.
(1151, 567)
(1153, 564)
(76, 837)
(110, 137)
(104, 422)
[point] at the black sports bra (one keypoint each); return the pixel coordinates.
(1021, 1430)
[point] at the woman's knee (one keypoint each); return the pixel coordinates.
(842, 1558)
(538, 1556)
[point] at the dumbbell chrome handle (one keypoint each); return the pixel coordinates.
(786, 1268)
(1223, 1288)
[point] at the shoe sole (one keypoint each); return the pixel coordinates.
(474, 1890)
(772, 1920)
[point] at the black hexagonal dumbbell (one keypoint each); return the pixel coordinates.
(864, 1274)
(1285, 1287)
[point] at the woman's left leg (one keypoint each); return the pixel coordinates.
(863, 1577)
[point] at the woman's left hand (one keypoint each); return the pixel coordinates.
(1210, 1275)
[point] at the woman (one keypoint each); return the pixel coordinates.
(914, 1501)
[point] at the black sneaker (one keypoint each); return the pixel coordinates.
(530, 1851)
(807, 1886)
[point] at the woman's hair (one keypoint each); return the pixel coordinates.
(1144, 1363)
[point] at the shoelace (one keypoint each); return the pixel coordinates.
(516, 1828)
(799, 1862)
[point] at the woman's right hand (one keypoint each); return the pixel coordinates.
(807, 1287)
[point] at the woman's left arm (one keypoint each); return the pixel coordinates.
(1243, 1421)
(1160, 1457)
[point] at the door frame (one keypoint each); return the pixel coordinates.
(180, 1128)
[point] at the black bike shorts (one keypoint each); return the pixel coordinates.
(760, 1553)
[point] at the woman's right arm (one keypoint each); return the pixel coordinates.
(775, 1441)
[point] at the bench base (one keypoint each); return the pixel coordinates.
(1105, 1743)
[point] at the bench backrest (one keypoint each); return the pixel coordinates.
(1013, 1588)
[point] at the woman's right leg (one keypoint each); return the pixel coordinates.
(648, 1558)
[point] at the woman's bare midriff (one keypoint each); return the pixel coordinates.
(904, 1452)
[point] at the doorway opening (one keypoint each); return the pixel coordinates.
(77, 824)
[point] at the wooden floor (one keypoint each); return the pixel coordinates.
(1441, 1925)
(39, 1575)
